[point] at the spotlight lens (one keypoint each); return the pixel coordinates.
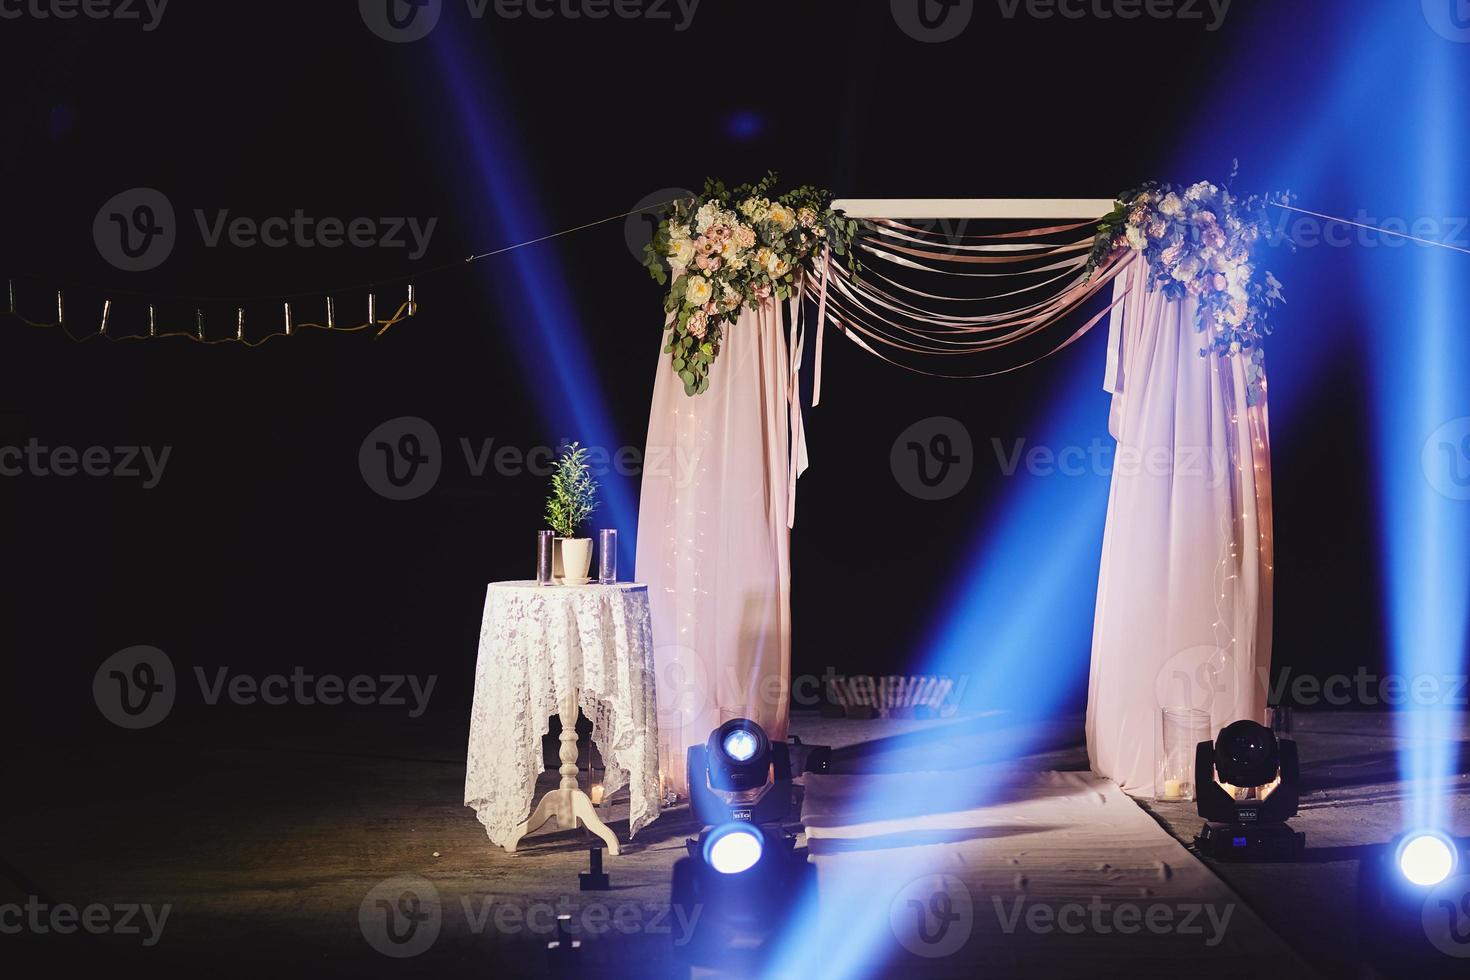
(1426, 859)
(741, 745)
(731, 851)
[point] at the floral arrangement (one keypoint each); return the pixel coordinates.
(725, 250)
(573, 492)
(1198, 241)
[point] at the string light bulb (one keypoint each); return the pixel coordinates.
(331, 314)
(106, 309)
(240, 323)
(287, 305)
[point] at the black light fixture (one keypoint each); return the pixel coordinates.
(1414, 905)
(1246, 787)
(739, 774)
(743, 872)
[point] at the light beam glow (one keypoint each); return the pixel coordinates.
(1426, 859)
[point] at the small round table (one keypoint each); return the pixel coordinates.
(548, 650)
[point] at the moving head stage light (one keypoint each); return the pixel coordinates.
(1246, 781)
(739, 775)
(743, 872)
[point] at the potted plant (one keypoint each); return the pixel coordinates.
(573, 499)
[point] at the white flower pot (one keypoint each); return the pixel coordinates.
(573, 560)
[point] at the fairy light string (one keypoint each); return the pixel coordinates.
(409, 307)
(290, 326)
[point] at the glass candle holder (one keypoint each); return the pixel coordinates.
(545, 543)
(607, 556)
(1183, 730)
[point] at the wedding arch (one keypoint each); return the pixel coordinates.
(1186, 571)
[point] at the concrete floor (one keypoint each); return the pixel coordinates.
(271, 842)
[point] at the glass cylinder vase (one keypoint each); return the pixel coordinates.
(1182, 730)
(607, 556)
(545, 543)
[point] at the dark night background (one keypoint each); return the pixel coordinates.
(263, 548)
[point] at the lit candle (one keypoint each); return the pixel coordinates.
(596, 794)
(1171, 789)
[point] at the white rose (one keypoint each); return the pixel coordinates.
(1136, 238)
(1188, 270)
(1170, 205)
(681, 252)
(708, 215)
(698, 291)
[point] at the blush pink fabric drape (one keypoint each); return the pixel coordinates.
(1184, 594)
(714, 543)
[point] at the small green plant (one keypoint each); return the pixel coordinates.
(573, 492)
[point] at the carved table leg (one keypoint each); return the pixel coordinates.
(567, 803)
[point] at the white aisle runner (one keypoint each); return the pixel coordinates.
(992, 872)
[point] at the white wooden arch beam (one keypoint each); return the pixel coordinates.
(996, 208)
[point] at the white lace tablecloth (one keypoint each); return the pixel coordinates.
(536, 642)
